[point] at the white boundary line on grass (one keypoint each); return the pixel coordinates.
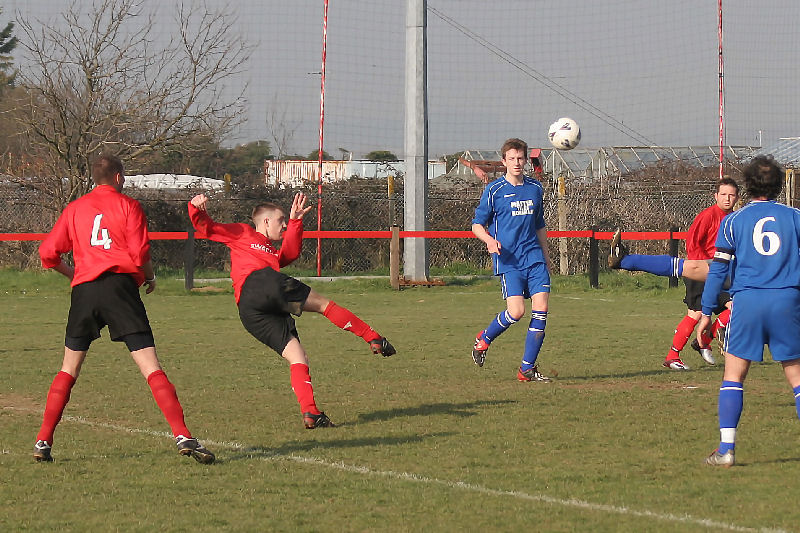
(461, 485)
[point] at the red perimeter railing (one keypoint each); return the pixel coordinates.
(396, 234)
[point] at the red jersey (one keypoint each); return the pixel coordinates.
(703, 233)
(106, 232)
(250, 250)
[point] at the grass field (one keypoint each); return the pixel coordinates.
(426, 440)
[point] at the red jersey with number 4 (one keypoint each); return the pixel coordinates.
(106, 232)
(702, 234)
(250, 250)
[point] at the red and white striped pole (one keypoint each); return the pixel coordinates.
(321, 135)
(721, 93)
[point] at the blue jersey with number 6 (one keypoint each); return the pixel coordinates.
(758, 246)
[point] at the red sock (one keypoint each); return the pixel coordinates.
(301, 385)
(682, 334)
(57, 398)
(721, 321)
(167, 400)
(346, 320)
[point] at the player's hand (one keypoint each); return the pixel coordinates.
(151, 285)
(493, 246)
(703, 326)
(482, 175)
(199, 202)
(299, 208)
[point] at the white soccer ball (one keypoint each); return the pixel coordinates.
(564, 134)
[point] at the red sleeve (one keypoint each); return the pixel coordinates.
(208, 229)
(702, 236)
(292, 242)
(56, 243)
(138, 239)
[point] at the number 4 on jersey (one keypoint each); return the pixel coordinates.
(100, 235)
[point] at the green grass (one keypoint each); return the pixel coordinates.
(426, 440)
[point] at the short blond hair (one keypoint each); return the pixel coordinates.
(261, 209)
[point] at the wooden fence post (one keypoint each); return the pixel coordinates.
(594, 262)
(673, 251)
(188, 261)
(563, 258)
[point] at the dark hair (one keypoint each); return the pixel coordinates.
(727, 181)
(514, 144)
(105, 167)
(763, 177)
(260, 209)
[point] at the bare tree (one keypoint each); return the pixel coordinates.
(281, 129)
(98, 80)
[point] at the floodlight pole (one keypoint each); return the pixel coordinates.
(415, 185)
(321, 135)
(721, 92)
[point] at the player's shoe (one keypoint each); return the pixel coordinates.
(675, 364)
(321, 420)
(479, 349)
(381, 346)
(532, 374)
(618, 250)
(721, 459)
(191, 446)
(706, 353)
(41, 451)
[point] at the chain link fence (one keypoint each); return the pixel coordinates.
(656, 199)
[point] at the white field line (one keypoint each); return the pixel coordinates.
(460, 485)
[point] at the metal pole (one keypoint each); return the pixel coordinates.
(415, 185)
(721, 93)
(321, 135)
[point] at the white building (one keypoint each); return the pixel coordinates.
(295, 173)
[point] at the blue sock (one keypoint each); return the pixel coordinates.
(501, 322)
(660, 265)
(731, 401)
(534, 339)
(797, 399)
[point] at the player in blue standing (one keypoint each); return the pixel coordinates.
(510, 220)
(758, 247)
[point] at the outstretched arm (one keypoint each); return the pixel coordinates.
(206, 227)
(293, 238)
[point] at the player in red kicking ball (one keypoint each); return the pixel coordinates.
(267, 298)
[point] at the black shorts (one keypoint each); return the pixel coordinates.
(110, 300)
(694, 293)
(266, 304)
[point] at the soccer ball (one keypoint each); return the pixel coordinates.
(564, 134)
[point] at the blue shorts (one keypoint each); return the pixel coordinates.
(764, 316)
(526, 282)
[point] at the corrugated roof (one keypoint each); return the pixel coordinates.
(786, 151)
(587, 162)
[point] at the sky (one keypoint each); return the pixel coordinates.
(630, 72)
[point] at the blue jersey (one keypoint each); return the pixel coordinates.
(758, 246)
(512, 214)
